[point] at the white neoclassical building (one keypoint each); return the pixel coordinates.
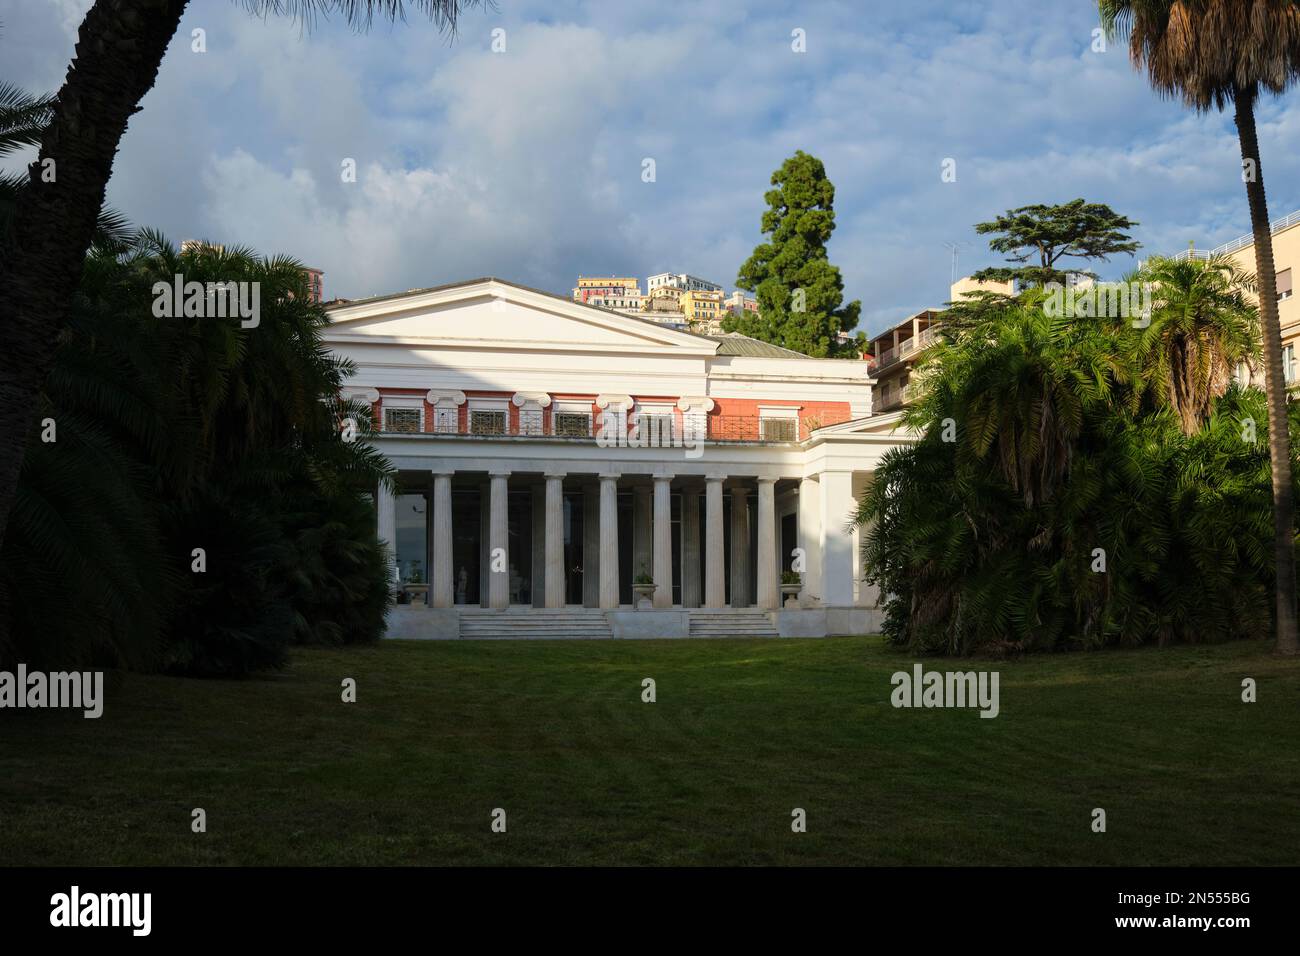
(573, 472)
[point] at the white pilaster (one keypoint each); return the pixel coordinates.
(609, 541)
(838, 507)
(768, 594)
(715, 581)
(663, 541)
(810, 540)
(498, 542)
(555, 540)
(440, 569)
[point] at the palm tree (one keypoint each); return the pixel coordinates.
(120, 47)
(1211, 53)
(24, 118)
(1202, 327)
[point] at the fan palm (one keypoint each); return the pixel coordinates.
(1211, 53)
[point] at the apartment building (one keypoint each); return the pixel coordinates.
(739, 302)
(680, 280)
(896, 350)
(628, 301)
(610, 287)
(1286, 259)
(703, 310)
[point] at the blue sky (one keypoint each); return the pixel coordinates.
(526, 164)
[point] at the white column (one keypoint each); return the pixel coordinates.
(386, 511)
(768, 594)
(740, 547)
(810, 540)
(555, 540)
(663, 541)
(690, 547)
(498, 542)
(838, 507)
(440, 569)
(715, 581)
(609, 541)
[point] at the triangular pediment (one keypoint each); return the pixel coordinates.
(890, 424)
(493, 313)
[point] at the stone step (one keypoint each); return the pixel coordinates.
(732, 622)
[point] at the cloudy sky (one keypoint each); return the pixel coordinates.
(527, 163)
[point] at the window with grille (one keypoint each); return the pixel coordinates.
(779, 429)
(487, 422)
(401, 419)
(655, 428)
(572, 424)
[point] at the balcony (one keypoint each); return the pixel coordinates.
(906, 348)
(651, 431)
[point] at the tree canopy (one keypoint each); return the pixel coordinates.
(799, 292)
(1048, 234)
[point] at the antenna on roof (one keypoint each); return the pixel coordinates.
(955, 246)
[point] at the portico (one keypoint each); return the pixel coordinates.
(564, 454)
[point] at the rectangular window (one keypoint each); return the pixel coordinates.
(487, 422)
(573, 424)
(779, 429)
(1288, 363)
(1284, 284)
(402, 420)
(655, 424)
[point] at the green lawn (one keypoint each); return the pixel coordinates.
(742, 732)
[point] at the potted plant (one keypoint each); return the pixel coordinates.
(415, 586)
(791, 585)
(643, 586)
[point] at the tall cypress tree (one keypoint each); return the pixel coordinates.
(799, 292)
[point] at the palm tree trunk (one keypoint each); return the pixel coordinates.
(119, 49)
(1279, 445)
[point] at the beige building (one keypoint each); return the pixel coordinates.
(896, 351)
(1286, 258)
(703, 310)
(965, 286)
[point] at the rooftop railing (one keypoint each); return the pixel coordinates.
(1241, 242)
